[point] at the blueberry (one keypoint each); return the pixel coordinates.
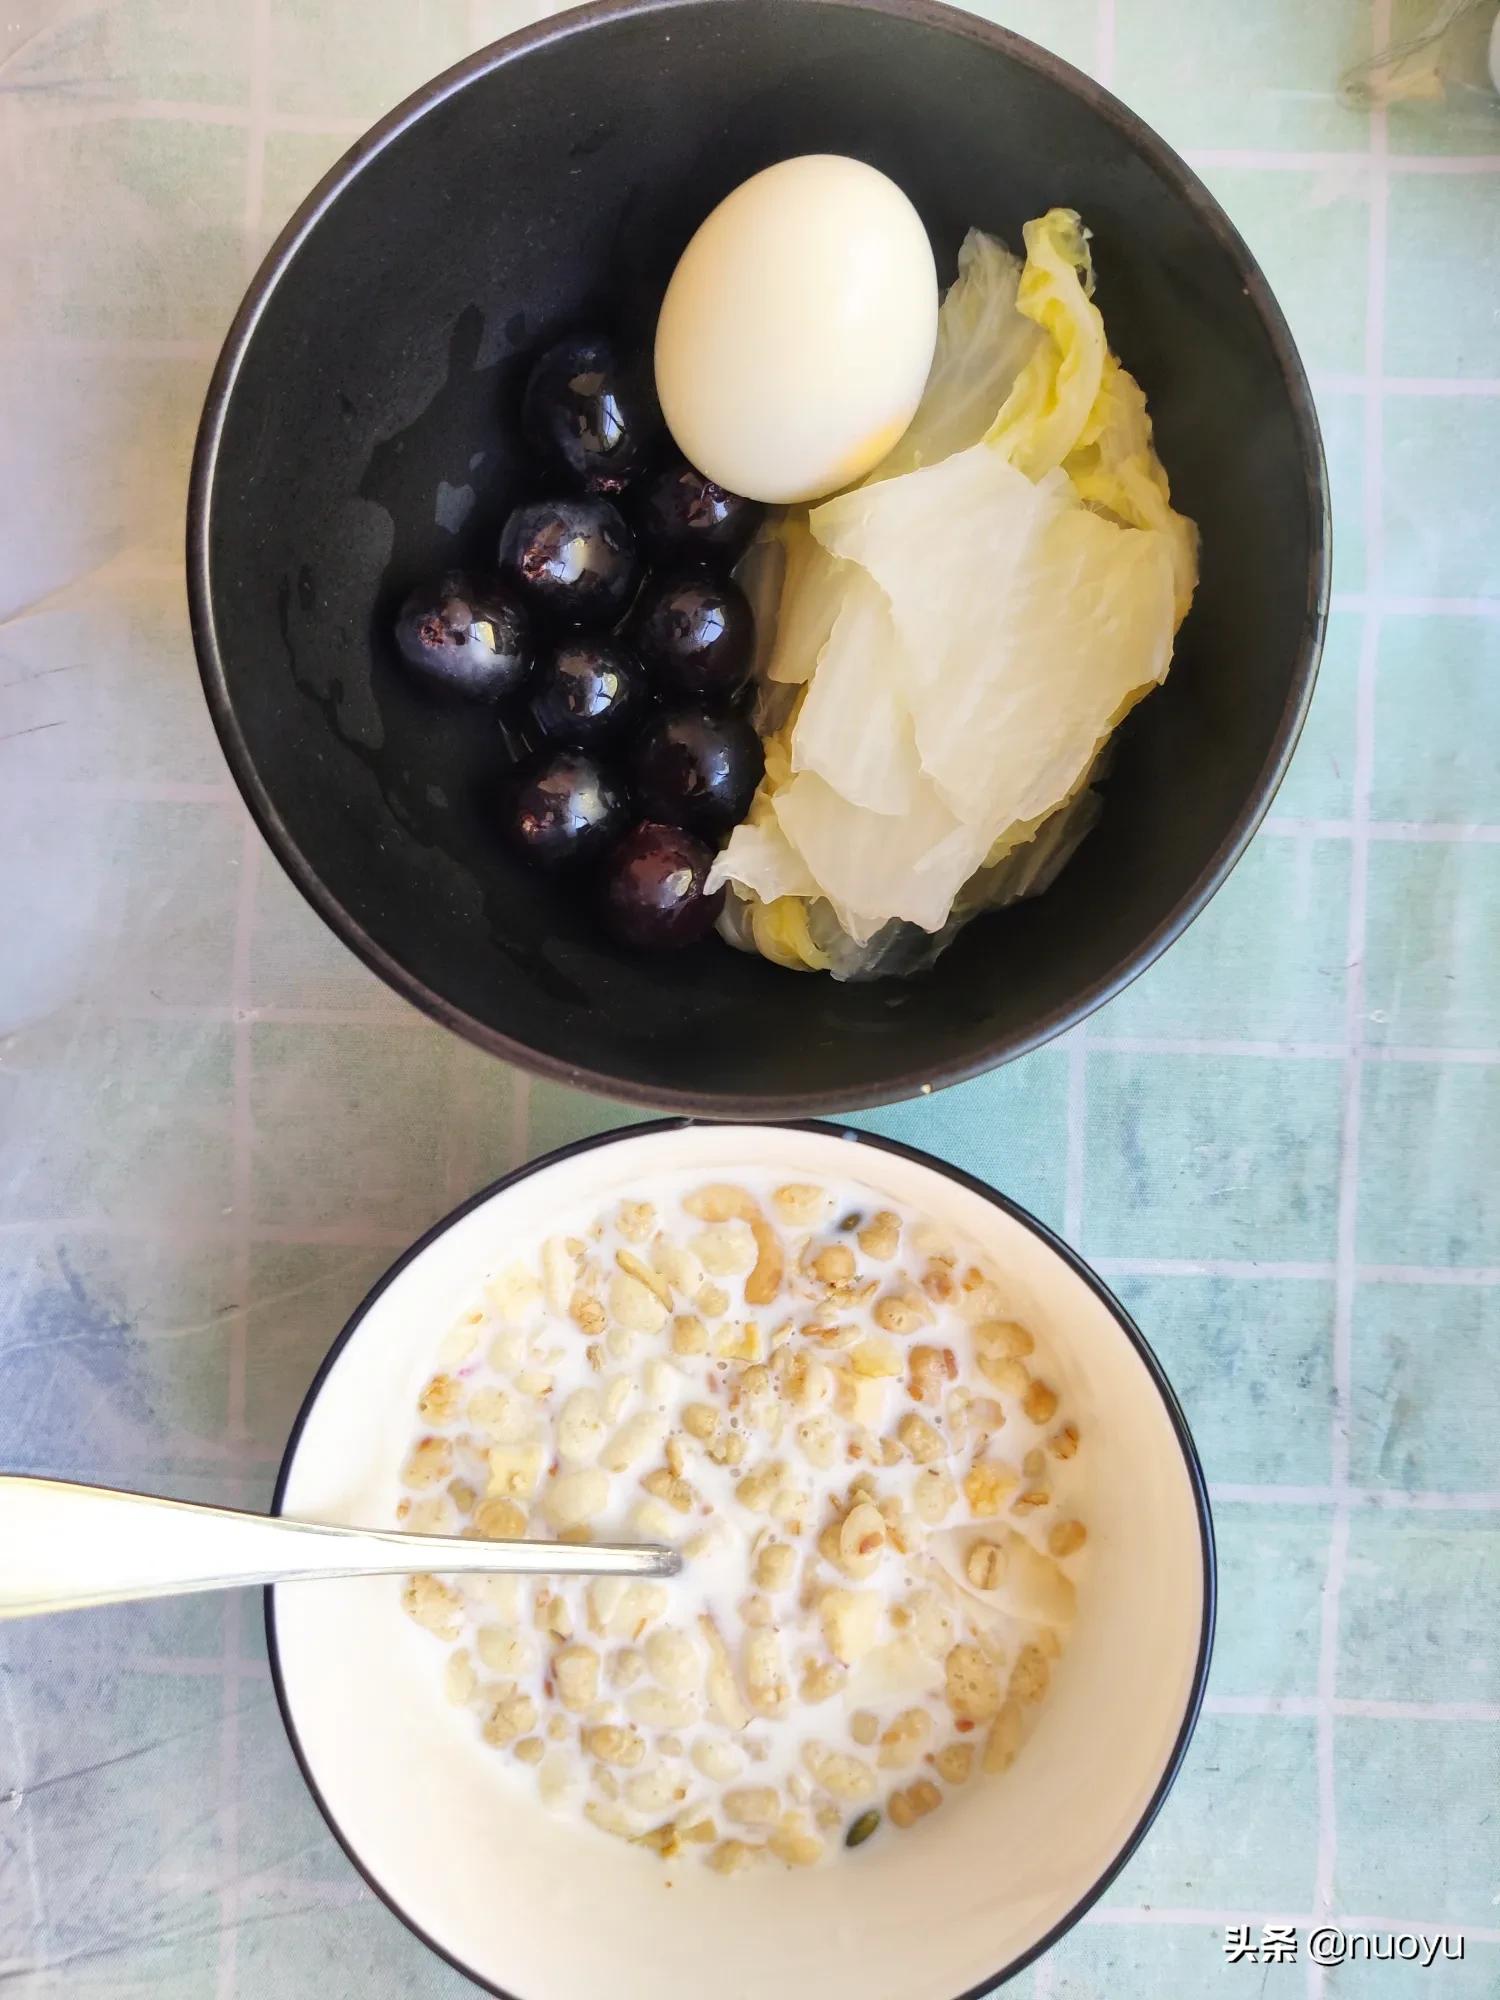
(696, 633)
(590, 412)
(697, 770)
(654, 888)
(589, 691)
(466, 637)
(574, 559)
(565, 810)
(683, 514)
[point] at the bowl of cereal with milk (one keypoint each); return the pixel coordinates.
(943, 1620)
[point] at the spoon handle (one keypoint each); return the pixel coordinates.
(64, 1546)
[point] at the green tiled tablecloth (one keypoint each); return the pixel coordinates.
(1282, 1145)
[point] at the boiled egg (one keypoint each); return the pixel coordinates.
(797, 331)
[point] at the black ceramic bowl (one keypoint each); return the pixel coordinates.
(365, 401)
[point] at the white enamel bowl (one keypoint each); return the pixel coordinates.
(541, 1909)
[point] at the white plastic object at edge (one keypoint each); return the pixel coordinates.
(64, 1547)
(540, 1906)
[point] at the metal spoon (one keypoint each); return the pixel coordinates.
(64, 1546)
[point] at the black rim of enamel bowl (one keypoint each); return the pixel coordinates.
(749, 1104)
(1070, 1257)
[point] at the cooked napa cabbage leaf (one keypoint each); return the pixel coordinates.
(958, 636)
(759, 858)
(761, 574)
(1119, 474)
(872, 867)
(804, 933)
(983, 343)
(783, 931)
(854, 728)
(812, 589)
(1050, 409)
(1030, 625)
(1074, 406)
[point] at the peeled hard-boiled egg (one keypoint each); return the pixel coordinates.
(798, 329)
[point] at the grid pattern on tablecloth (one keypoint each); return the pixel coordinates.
(1279, 1145)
